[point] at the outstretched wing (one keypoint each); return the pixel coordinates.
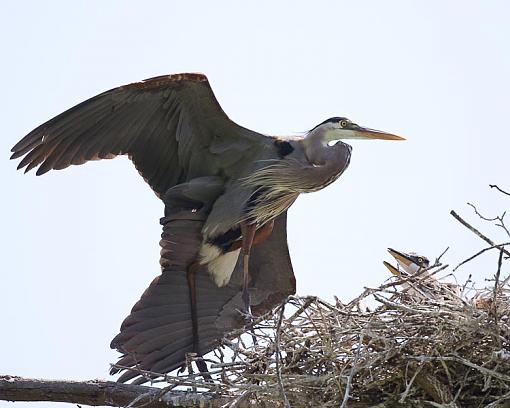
(158, 333)
(171, 127)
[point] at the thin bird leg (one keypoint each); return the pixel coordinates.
(248, 233)
(191, 277)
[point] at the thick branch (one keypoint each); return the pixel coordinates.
(97, 392)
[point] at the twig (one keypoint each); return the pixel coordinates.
(239, 400)
(352, 372)
(502, 223)
(440, 256)
(497, 403)
(309, 300)
(468, 280)
(409, 384)
(188, 380)
(480, 215)
(480, 253)
(494, 306)
(497, 188)
(475, 231)
(278, 365)
(500, 218)
(487, 371)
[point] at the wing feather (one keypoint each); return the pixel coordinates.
(158, 333)
(171, 127)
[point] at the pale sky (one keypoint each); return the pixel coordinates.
(79, 246)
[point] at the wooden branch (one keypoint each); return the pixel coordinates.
(474, 230)
(96, 392)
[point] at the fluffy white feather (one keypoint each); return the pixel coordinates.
(222, 267)
(208, 253)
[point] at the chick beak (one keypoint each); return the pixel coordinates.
(392, 269)
(401, 257)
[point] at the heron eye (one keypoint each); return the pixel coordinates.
(343, 123)
(420, 260)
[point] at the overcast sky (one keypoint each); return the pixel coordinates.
(79, 246)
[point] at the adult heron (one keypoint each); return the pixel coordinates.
(225, 188)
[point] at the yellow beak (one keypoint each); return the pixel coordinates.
(366, 133)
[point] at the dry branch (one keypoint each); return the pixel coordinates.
(474, 230)
(100, 393)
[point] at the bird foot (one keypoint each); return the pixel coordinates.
(248, 317)
(249, 321)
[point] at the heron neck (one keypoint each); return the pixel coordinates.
(329, 162)
(316, 146)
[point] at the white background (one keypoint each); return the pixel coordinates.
(78, 247)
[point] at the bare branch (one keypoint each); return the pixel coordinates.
(345, 400)
(480, 253)
(480, 215)
(497, 188)
(500, 218)
(474, 230)
(438, 259)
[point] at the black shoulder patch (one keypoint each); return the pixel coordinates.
(283, 147)
(224, 241)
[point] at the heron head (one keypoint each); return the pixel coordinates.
(410, 262)
(338, 128)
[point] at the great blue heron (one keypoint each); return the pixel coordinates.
(419, 282)
(409, 263)
(225, 188)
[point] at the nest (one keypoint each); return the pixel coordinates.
(424, 342)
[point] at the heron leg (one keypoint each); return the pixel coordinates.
(248, 233)
(191, 277)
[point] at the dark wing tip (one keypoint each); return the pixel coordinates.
(41, 170)
(17, 149)
(21, 148)
(23, 163)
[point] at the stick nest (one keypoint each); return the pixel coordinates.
(423, 343)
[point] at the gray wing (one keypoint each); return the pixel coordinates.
(158, 333)
(171, 127)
